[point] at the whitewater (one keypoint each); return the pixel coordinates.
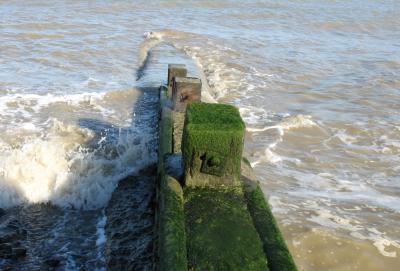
(317, 84)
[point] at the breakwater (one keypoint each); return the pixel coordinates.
(316, 85)
(212, 214)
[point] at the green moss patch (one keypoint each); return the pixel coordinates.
(220, 232)
(212, 144)
(166, 131)
(206, 116)
(172, 237)
(278, 255)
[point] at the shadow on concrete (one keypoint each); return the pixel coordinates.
(130, 211)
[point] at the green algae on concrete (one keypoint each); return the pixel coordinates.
(172, 237)
(165, 129)
(220, 231)
(212, 144)
(221, 220)
(278, 255)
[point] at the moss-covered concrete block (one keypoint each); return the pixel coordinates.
(220, 232)
(175, 70)
(212, 144)
(184, 91)
(278, 255)
(172, 236)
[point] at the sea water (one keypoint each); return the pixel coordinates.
(317, 83)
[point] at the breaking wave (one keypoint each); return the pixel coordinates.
(58, 168)
(71, 160)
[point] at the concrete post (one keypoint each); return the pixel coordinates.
(175, 70)
(212, 145)
(184, 91)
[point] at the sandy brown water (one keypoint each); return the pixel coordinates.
(316, 82)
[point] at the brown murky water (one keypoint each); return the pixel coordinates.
(317, 83)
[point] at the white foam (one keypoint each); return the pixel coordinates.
(269, 156)
(295, 122)
(57, 168)
(152, 39)
(153, 35)
(101, 238)
(26, 105)
(278, 206)
(389, 145)
(340, 188)
(216, 76)
(291, 122)
(337, 220)
(356, 229)
(254, 115)
(345, 138)
(29, 126)
(381, 244)
(100, 231)
(220, 72)
(327, 219)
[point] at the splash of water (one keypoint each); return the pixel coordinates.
(68, 162)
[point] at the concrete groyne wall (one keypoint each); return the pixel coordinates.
(211, 213)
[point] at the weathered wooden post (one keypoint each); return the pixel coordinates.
(184, 91)
(212, 145)
(173, 71)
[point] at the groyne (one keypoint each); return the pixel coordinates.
(198, 207)
(211, 212)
